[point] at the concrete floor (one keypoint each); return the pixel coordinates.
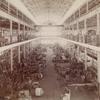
(52, 88)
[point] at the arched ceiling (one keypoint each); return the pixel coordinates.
(48, 11)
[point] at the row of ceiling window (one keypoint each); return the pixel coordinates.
(10, 9)
(86, 8)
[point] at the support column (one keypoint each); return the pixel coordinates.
(98, 55)
(98, 60)
(85, 28)
(2, 34)
(98, 23)
(83, 36)
(19, 39)
(11, 51)
(98, 30)
(78, 31)
(98, 73)
(24, 32)
(24, 44)
(84, 41)
(24, 50)
(78, 53)
(85, 58)
(78, 50)
(19, 56)
(72, 33)
(29, 47)
(30, 32)
(11, 59)
(11, 32)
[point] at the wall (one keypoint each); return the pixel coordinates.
(49, 31)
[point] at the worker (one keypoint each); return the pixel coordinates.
(66, 95)
(24, 95)
(39, 91)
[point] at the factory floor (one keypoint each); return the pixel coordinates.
(53, 89)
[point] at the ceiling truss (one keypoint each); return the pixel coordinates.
(48, 11)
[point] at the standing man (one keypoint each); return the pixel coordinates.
(66, 95)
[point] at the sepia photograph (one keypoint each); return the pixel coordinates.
(49, 49)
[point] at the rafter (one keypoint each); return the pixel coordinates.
(48, 11)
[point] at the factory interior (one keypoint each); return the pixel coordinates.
(49, 49)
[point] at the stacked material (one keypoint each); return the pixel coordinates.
(30, 69)
(73, 71)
